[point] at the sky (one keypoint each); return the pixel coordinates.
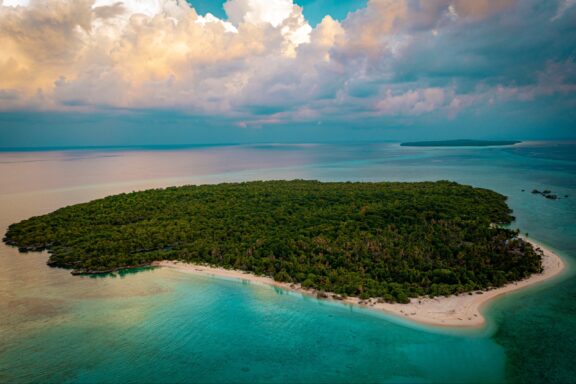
(145, 72)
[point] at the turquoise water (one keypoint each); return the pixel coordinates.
(167, 326)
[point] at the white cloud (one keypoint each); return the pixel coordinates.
(210, 18)
(144, 7)
(15, 3)
(281, 14)
(265, 62)
(273, 12)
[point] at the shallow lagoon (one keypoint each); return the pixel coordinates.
(164, 325)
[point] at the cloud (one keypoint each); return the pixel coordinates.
(15, 3)
(273, 12)
(414, 102)
(480, 9)
(265, 64)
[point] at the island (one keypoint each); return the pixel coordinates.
(460, 143)
(386, 241)
(548, 194)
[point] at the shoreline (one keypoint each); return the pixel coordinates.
(461, 311)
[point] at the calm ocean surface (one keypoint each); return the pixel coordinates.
(167, 326)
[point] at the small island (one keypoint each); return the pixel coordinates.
(387, 242)
(548, 194)
(460, 143)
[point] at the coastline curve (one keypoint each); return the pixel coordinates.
(456, 311)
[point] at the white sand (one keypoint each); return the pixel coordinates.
(454, 311)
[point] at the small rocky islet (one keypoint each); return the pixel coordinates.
(548, 194)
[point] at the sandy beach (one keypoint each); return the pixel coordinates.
(454, 311)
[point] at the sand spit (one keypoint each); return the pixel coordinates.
(454, 311)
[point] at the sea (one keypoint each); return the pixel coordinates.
(161, 325)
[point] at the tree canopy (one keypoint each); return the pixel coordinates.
(386, 240)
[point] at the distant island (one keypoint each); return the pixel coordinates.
(459, 143)
(390, 241)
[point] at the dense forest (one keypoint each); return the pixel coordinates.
(387, 240)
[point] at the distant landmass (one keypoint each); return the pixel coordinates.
(460, 143)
